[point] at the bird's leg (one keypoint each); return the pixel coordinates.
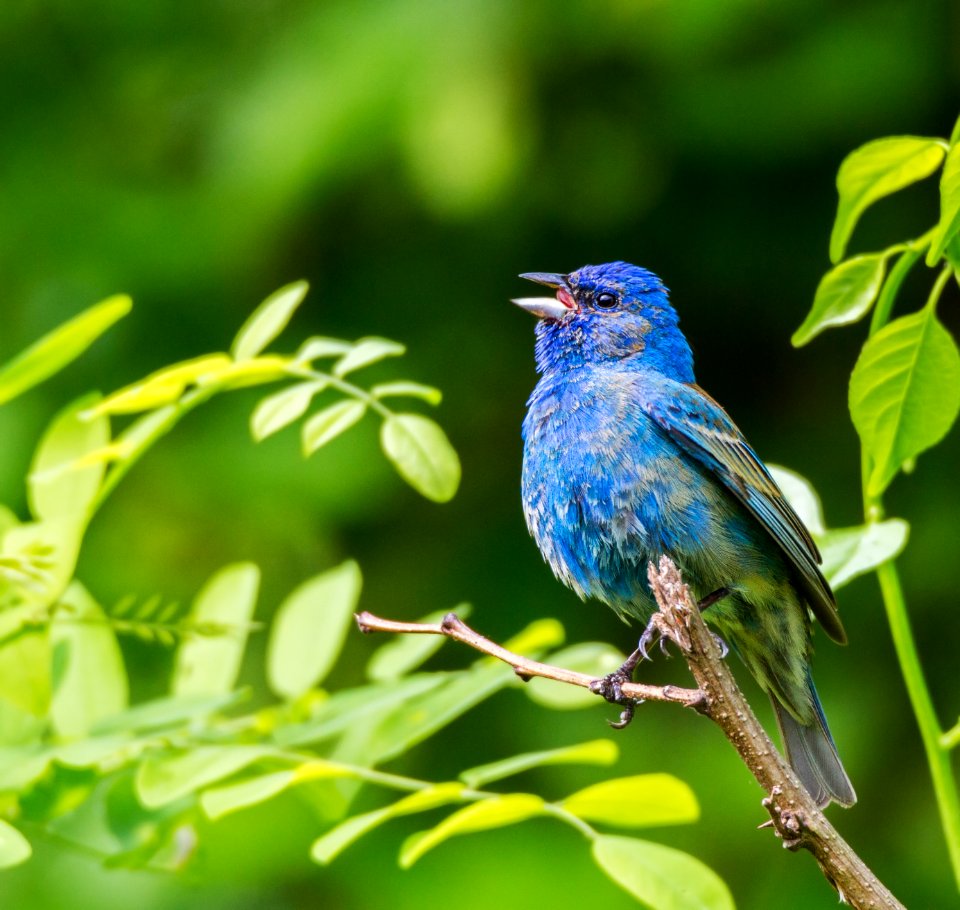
(711, 599)
(611, 685)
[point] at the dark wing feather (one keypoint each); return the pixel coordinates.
(702, 428)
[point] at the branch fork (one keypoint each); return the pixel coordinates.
(794, 815)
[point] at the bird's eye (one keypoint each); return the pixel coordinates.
(606, 301)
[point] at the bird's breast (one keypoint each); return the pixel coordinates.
(605, 490)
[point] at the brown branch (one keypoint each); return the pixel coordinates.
(794, 815)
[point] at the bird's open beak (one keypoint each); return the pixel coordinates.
(548, 307)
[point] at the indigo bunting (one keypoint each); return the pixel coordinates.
(627, 459)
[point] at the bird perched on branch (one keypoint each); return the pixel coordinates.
(626, 459)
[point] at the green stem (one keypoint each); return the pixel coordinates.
(913, 251)
(176, 411)
(894, 603)
(938, 756)
(951, 739)
(348, 388)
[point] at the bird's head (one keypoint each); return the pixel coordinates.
(605, 313)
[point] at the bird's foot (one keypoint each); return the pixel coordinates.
(654, 632)
(610, 687)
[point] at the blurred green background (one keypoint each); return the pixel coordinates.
(409, 159)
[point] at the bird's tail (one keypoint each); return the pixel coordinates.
(813, 755)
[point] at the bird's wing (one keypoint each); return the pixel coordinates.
(693, 420)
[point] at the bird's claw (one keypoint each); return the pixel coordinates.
(626, 715)
(610, 687)
(652, 633)
(721, 644)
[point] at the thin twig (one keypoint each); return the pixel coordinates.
(453, 627)
(795, 816)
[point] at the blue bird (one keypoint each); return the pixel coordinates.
(627, 459)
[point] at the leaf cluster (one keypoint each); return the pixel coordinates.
(158, 772)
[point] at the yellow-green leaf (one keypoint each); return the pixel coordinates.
(309, 630)
(636, 802)
(316, 347)
(844, 295)
(93, 682)
(219, 801)
(904, 392)
(875, 170)
(208, 664)
(949, 222)
(268, 320)
(422, 455)
(850, 552)
(59, 483)
(402, 388)
(366, 352)
(330, 423)
(165, 778)
(596, 752)
(495, 812)
(162, 387)
(14, 847)
(661, 878)
(326, 848)
(55, 350)
(282, 408)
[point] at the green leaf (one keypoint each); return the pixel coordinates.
(849, 552)
(408, 389)
(268, 320)
(904, 392)
(642, 801)
(422, 455)
(55, 350)
(365, 352)
(56, 485)
(592, 657)
(335, 841)
(168, 712)
(165, 778)
(220, 801)
(356, 708)
(844, 295)
(164, 386)
(419, 717)
(404, 653)
(596, 752)
(875, 170)
(537, 637)
(495, 812)
(209, 664)
(949, 222)
(802, 497)
(317, 347)
(14, 847)
(93, 684)
(309, 630)
(660, 877)
(330, 423)
(276, 411)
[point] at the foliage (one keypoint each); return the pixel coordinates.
(130, 782)
(904, 394)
